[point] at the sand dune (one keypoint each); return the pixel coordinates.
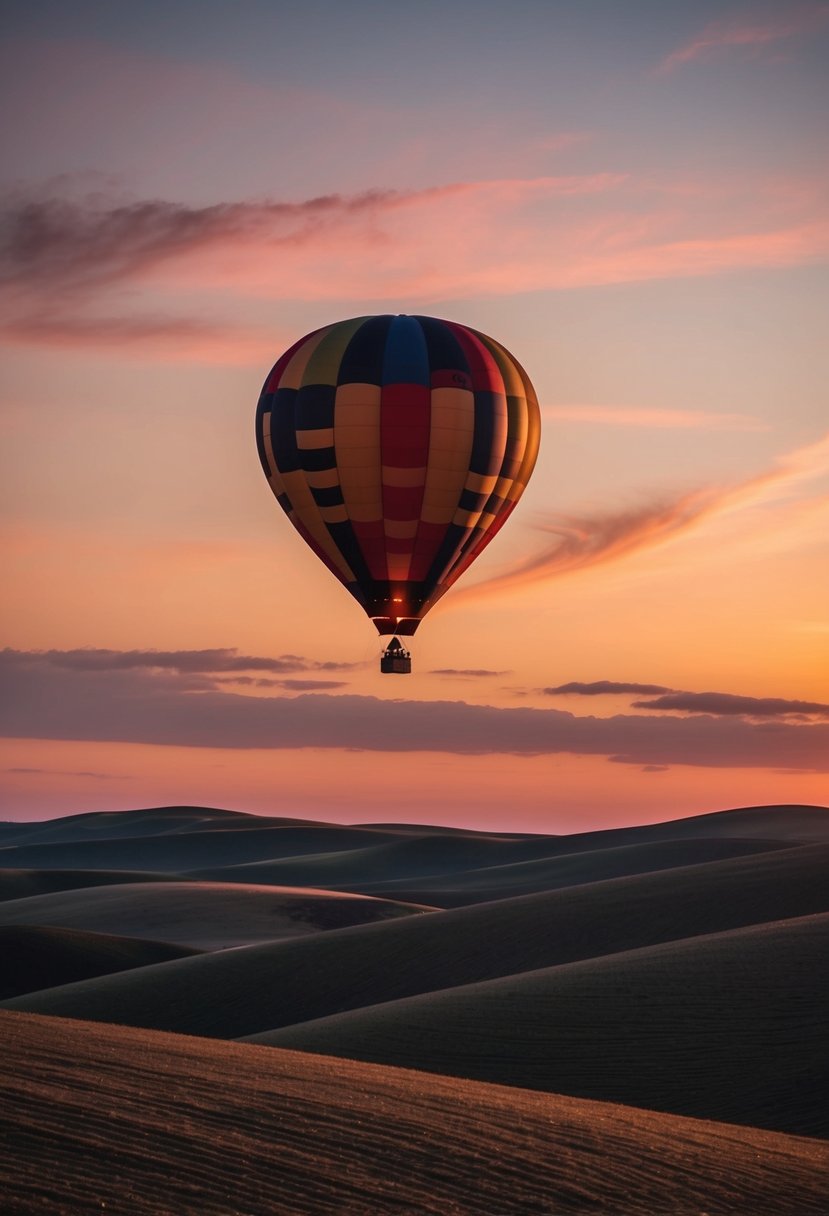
(452, 890)
(264, 987)
(730, 1026)
(355, 870)
(20, 884)
(210, 916)
(675, 967)
(173, 820)
(190, 850)
(801, 824)
(41, 956)
(404, 859)
(199, 838)
(154, 821)
(201, 1128)
(790, 821)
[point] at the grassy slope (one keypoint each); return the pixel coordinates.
(202, 1128)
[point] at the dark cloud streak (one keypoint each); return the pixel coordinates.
(465, 673)
(61, 258)
(201, 662)
(46, 700)
(599, 688)
(75, 245)
(725, 703)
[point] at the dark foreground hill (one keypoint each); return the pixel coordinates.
(201, 1128)
(37, 957)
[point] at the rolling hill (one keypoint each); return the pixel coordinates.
(275, 984)
(204, 1128)
(209, 916)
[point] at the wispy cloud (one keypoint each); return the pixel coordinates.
(164, 336)
(465, 672)
(627, 415)
(747, 33)
(582, 542)
(602, 688)
(45, 700)
(58, 772)
(77, 270)
(290, 685)
(674, 699)
(200, 662)
(310, 685)
(725, 703)
(76, 245)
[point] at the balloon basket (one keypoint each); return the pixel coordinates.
(395, 659)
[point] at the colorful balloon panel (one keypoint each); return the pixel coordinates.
(398, 446)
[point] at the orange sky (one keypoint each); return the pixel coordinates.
(636, 209)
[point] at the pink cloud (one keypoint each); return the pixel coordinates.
(174, 338)
(582, 542)
(66, 263)
(744, 32)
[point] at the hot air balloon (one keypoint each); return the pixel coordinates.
(397, 446)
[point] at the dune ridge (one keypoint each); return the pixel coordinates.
(20, 884)
(42, 956)
(187, 848)
(203, 1128)
(803, 822)
(411, 856)
(264, 987)
(509, 879)
(730, 1026)
(148, 821)
(193, 838)
(204, 915)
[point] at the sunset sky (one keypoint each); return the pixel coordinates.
(630, 197)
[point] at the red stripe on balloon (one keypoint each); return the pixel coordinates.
(372, 541)
(486, 373)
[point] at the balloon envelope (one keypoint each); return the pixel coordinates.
(398, 446)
